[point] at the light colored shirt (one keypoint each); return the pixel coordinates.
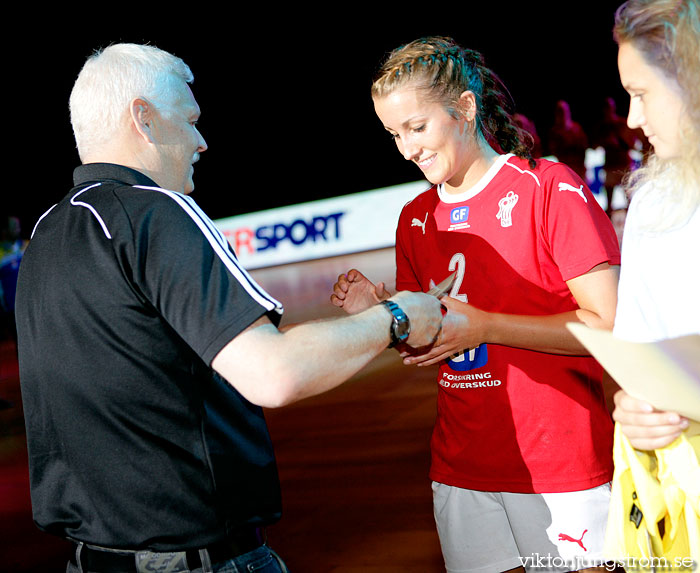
(659, 291)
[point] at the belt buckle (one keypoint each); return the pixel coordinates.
(166, 562)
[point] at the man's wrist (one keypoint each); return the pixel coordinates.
(400, 327)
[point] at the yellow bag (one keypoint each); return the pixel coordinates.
(655, 504)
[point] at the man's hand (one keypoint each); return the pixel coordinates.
(425, 314)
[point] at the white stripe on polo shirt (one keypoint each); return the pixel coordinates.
(100, 220)
(221, 248)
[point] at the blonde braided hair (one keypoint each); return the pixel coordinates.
(443, 70)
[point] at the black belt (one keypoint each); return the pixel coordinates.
(98, 560)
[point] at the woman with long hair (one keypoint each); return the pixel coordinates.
(521, 446)
(659, 64)
(659, 61)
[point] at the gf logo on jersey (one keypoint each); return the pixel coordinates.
(458, 218)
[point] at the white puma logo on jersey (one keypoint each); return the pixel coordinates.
(419, 223)
(567, 187)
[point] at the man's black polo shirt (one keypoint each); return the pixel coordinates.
(126, 293)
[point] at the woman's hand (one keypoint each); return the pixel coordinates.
(354, 292)
(463, 328)
(645, 427)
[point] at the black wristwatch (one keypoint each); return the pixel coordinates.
(400, 326)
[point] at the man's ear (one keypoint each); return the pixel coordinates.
(142, 112)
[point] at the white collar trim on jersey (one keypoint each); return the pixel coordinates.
(475, 189)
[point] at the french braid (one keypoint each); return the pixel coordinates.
(444, 70)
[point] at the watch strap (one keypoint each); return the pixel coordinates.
(400, 325)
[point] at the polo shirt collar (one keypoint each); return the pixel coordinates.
(93, 172)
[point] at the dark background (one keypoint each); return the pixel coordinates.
(284, 93)
(288, 118)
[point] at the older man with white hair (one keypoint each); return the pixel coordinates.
(147, 352)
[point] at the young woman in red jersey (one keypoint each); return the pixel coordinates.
(521, 449)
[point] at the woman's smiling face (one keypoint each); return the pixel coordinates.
(425, 133)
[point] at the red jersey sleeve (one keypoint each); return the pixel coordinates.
(578, 232)
(406, 277)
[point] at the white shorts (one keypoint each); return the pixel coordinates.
(491, 531)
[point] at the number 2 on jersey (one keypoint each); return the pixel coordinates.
(459, 263)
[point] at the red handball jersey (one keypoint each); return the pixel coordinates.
(511, 419)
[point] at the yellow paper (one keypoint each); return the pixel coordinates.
(666, 373)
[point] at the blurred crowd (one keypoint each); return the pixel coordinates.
(600, 154)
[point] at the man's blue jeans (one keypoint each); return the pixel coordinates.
(260, 560)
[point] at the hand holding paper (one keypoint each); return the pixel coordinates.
(666, 373)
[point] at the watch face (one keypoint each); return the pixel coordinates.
(402, 328)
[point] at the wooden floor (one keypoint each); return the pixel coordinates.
(353, 462)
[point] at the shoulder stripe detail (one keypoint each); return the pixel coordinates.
(525, 172)
(221, 247)
(39, 221)
(91, 208)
